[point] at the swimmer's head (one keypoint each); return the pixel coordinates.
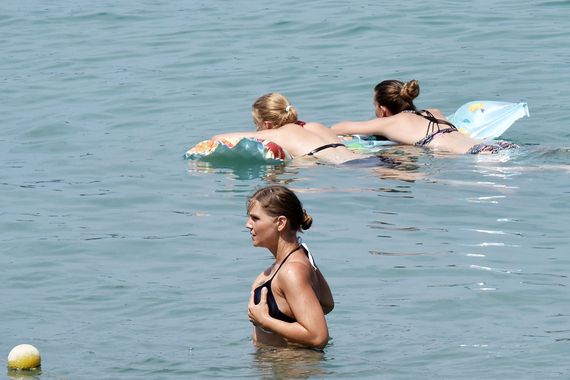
(281, 201)
(395, 96)
(273, 110)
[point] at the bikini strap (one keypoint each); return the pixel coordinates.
(429, 116)
(283, 262)
(323, 147)
(310, 256)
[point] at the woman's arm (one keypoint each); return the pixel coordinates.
(370, 127)
(265, 134)
(234, 135)
(324, 293)
(311, 327)
(400, 128)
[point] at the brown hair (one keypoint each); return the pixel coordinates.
(397, 96)
(280, 201)
(275, 108)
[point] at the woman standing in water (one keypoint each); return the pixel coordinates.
(277, 120)
(398, 120)
(289, 299)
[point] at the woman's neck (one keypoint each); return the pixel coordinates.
(284, 248)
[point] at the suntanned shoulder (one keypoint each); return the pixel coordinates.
(437, 113)
(314, 125)
(295, 273)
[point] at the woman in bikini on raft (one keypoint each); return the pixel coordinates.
(277, 120)
(398, 120)
(289, 299)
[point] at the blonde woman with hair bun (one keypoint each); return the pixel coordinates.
(276, 120)
(398, 120)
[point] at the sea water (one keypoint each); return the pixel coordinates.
(119, 259)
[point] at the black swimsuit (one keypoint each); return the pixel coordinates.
(434, 123)
(274, 311)
(322, 147)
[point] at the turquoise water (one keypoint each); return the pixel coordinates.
(119, 259)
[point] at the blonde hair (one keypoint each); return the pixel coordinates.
(397, 96)
(275, 108)
(279, 200)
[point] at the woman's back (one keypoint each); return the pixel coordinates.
(427, 129)
(300, 141)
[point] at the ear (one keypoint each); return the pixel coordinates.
(281, 223)
(267, 125)
(385, 111)
(376, 108)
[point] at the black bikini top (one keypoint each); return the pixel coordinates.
(274, 311)
(433, 128)
(323, 147)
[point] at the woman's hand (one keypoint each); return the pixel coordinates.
(258, 313)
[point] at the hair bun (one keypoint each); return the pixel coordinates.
(410, 90)
(307, 220)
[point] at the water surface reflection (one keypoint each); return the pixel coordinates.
(289, 363)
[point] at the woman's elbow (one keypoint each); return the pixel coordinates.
(336, 128)
(327, 306)
(320, 340)
(343, 128)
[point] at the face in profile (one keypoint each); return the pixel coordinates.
(261, 225)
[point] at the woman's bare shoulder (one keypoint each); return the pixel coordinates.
(313, 124)
(306, 126)
(295, 273)
(437, 113)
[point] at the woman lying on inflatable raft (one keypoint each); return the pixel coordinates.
(398, 120)
(276, 120)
